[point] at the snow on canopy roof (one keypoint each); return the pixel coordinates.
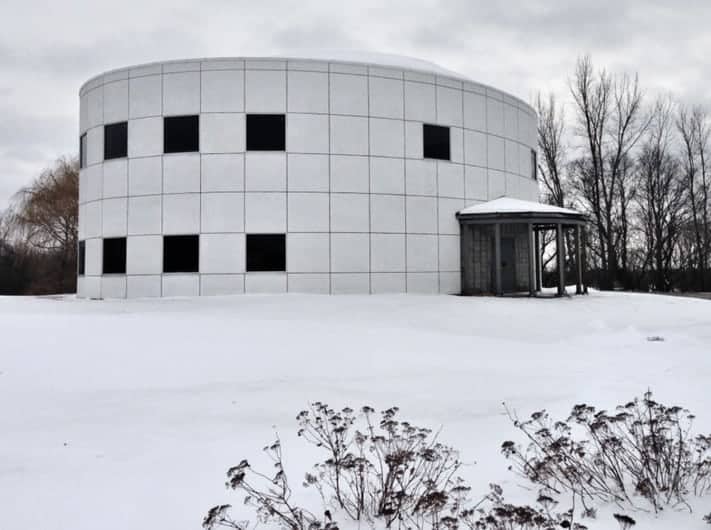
(506, 205)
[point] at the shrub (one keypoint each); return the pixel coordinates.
(644, 449)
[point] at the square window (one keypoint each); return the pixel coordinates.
(181, 253)
(266, 252)
(115, 140)
(266, 132)
(181, 134)
(82, 151)
(534, 164)
(81, 258)
(114, 255)
(435, 140)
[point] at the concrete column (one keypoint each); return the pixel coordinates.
(497, 259)
(578, 262)
(539, 264)
(531, 262)
(584, 260)
(560, 250)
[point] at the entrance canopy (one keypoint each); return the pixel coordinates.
(501, 250)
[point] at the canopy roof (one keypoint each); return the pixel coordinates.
(510, 209)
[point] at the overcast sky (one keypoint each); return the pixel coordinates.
(49, 48)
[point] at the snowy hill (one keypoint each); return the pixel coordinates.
(126, 414)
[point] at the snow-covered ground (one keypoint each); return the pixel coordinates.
(126, 414)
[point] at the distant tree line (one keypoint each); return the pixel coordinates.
(38, 234)
(640, 171)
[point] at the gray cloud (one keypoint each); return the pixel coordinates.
(524, 46)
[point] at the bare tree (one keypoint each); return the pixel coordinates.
(660, 195)
(610, 123)
(553, 156)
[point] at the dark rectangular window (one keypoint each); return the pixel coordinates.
(82, 151)
(181, 134)
(435, 141)
(115, 140)
(266, 132)
(534, 164)
(266, 252)
(114, 261)
(81, 258)
(181, 253)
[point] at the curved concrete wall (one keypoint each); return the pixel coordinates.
(361, 208)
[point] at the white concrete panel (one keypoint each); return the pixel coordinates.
(222, 172)
(421, 177)
(449, 106)
(145, 176)
(524, 126)
(350, 283)
(422, 282)
(307, 172)
(145, 137)
(181, 214)
(474, 111)
(387, 283)
(456, 135)
(265, 171)
(114, 217)
(387, 137)
(475, 183)
(420, 102)
(496, 153)
(307, 92)
(95, 146)
(265, 282)
(511, 121)
(145, 97)
(116, 101)
(92, 287)
(221, 284)
(92, 219)
(222, 253)
(350, 252)
(497, 184)
(265, 213)
(350, 212)
(143, 286)
(115, 178)
(524, 161)
(450, 180)
(308, 65)
(265, 91)
(308, 212)
(387, 252)
(421, 215)
(307, 133)
(387, 175)
(413, 140)
(81, 222)
(181, 285)
(421, 253)
(349, 94)
(94, 252)
(222, 91)
(222, 212)
(349, 135)
(450, 282)
(181, 66)
(83, 113)
(449, 247)
(309, 283)
(144, 255)
(512, 185)
(181, 94)
(386, 97)
(387, 213)
(113, 286)
(307, 253)
(447, 209)
(181, 173)
(475, 148)
(95, 101)
(145, 215)
(349, 174)
(222, 133)
(494, 116)
(512, 160)
(93, 182)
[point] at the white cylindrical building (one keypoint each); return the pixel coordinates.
(336, 175)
